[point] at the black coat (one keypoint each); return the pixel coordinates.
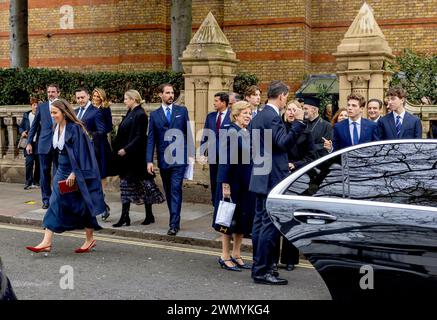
(132, 137)
(303, 151)
(6, 291)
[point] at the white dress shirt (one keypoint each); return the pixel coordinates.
(351, 128)
(402, 116)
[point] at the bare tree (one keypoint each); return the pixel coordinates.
(181, 19)
(19, 40)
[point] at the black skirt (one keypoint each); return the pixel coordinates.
(144, 191)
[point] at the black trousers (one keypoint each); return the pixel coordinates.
(32, 167)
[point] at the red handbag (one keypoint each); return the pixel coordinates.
(64, 188)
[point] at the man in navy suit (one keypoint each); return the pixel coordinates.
(91, 117)
(215, 121)
(253, 96)
(398, 124)
(170, 133)
(32, 161)
(355, 129)
(270, 142)
(43, 125)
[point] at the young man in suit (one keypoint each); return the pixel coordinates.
(170, 133)
(398, 124)
(270, 143)
(215, 121)
(374, 109)
(43, 126)
(355, 129)
(253, 96)
(32, 161)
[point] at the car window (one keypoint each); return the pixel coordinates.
(395, 173)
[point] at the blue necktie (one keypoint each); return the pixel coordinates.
(168, 114)
(356, 139)
(80, 115)
(398, 126)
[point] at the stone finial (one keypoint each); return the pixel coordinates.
(364, 24)
(210, 32)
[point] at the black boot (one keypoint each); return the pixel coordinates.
(124, 219)
(149, 215)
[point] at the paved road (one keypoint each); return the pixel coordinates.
(123, 268)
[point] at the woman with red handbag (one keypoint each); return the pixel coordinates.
(77, 196)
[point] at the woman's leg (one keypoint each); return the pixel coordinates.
(236, 249)
(226, 247)
(89, 233)
(47, 241)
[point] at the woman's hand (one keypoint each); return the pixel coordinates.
(71, 179)
(291, 166)
(121, 152)
(226, 190)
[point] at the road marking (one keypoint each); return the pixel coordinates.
(137, 243)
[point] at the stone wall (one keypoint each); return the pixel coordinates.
(285, 39)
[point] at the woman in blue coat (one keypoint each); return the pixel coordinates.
(233, 180)
(101, 142)
(76, 163)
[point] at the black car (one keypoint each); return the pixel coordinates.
(6, 291)
(366, 218)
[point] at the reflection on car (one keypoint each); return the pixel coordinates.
(366, 218)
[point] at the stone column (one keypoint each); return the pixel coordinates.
(362, 57)
(209, 64)
(11, 125)
(3, 144)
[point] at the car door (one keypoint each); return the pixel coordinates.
(369, 208)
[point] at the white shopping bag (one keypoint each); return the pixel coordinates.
(225, 213)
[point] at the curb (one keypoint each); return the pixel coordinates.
(214, 244)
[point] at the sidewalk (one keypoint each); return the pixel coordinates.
(19, 206)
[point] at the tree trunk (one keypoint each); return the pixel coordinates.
(181, 18)
(19, 41)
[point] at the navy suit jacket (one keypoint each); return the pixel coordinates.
(160, 136)
(268, 172)
(342, 137)
(411, 127)
(42, 125)
(93, 120)
(210, 122)
(25, 123)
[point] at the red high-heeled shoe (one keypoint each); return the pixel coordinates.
(39, 250)
(91, 246)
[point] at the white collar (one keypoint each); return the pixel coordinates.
(223, 113)
(274, 108)
(357, 121)
(164, 107)
(402, 115)
(86, 106)
(58, 142)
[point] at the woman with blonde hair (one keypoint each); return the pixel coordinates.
(233, 179)
(77, 169)
(136, 185)
(101, 142)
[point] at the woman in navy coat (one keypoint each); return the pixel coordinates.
(76, 163)
(233, 180)
(101, 142)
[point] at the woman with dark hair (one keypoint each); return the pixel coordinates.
(136, 184)
(77, 168)
(101, 142)
(340, 115)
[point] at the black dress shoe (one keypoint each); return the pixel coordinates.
(289, 267)
(45, 206)
(27, 187)
(270, 279)
(172, 232)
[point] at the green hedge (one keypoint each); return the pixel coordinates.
(17, 85)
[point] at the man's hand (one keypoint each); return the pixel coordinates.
(71, 179)
(29, 149)
(327, 144)
(226, 188)
(291, 166)
(299, 115)
(24, 134)
(150, 168)
(121, 152)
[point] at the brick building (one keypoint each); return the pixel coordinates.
(275, 39)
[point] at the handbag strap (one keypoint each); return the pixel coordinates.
(230, 198)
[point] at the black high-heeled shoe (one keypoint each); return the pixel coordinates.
(223, 264)
(243, 265)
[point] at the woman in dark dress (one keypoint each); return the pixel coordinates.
(136, 185)
(233, 182)
(101, 143)
(75, 162)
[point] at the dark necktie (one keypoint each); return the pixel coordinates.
(398, 126)
(81, 111)
(355, 131)
(168, 115)
(218, 123)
